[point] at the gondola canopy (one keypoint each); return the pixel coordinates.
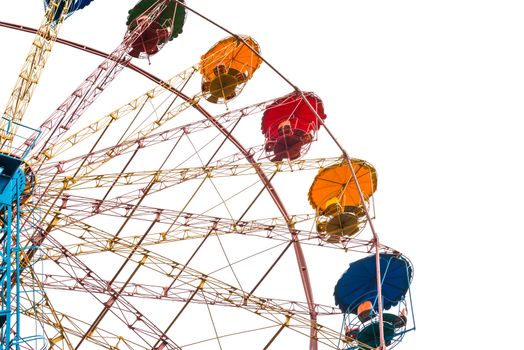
(227, 66)
(336, 183)
(359, 283)
(294, 109)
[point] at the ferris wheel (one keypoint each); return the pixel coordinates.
(194, 214)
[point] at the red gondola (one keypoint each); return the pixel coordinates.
(290, 125)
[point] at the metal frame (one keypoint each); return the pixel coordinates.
(267, 183)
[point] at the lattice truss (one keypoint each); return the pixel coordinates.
(161, 226)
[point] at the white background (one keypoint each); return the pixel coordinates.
(429, 92)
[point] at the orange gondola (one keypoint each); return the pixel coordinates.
(227, 67)
(335, 197)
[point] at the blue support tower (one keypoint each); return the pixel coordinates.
(15, 231)
(12, 182)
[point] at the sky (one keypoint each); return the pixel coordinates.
(428, 92)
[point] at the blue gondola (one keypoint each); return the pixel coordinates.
(356, 295)
(358, 283)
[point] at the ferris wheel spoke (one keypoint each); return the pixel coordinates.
(183, 226)
(170, 177)
(181, 294)
(55, 189)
